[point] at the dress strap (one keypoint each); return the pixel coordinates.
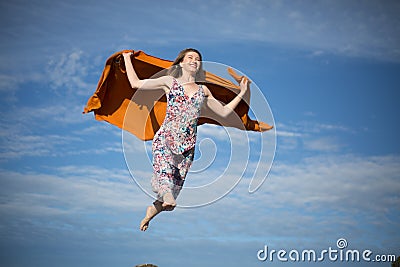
(175, 84)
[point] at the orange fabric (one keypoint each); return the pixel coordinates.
(112, 100)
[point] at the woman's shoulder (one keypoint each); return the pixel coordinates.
(167, 80)
(205, 90)
(170, 80)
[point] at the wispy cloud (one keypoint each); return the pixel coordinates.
(287, 134)
(314, 191)
(70, 72)
(313, 127)
(22, 145)
(230, 135)
(44, 131)
(312, 136)
(8, 86)
(17, 146)
(329, 195)
(365, 29)
(73, 189)
(324, 144)
(353, 29)
(318, 198)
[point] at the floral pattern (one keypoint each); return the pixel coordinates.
(174, 143)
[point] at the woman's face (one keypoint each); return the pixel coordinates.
(191, 62)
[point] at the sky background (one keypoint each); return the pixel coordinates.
(329, 70)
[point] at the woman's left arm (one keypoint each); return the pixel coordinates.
(213, 105)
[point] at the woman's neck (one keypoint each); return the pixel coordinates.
(188, 77)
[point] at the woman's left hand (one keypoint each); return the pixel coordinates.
(244, 85)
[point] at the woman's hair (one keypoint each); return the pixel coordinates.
(176, 70)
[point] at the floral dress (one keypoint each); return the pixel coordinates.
(174, 143)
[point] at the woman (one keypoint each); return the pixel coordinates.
(173, 144)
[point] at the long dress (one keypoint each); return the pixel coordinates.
(174, 143)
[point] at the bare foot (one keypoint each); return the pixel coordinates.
(151, 212)
(169, 201)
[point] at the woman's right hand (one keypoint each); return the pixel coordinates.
(127, 54)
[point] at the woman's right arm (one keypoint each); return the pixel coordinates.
(163, 82)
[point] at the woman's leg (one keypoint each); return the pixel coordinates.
(151, 212)
(169, 202)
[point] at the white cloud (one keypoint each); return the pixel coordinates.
(66, 112)
(313, 136)
(325, 144)
(313, 127)
(231, 135)
(98, 127)
(35, 132)
(216, 132)
(28, 145)
(7, 83)
(309, 113)
(69, 72)
(318, 198)
(17, 146)
(73, 190)
(329, 195)
(343, 182)
(288, 134)
(352, 29)
(341, 27)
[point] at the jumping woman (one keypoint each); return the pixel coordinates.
(174, 143)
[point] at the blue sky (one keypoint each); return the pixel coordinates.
(329, 71)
